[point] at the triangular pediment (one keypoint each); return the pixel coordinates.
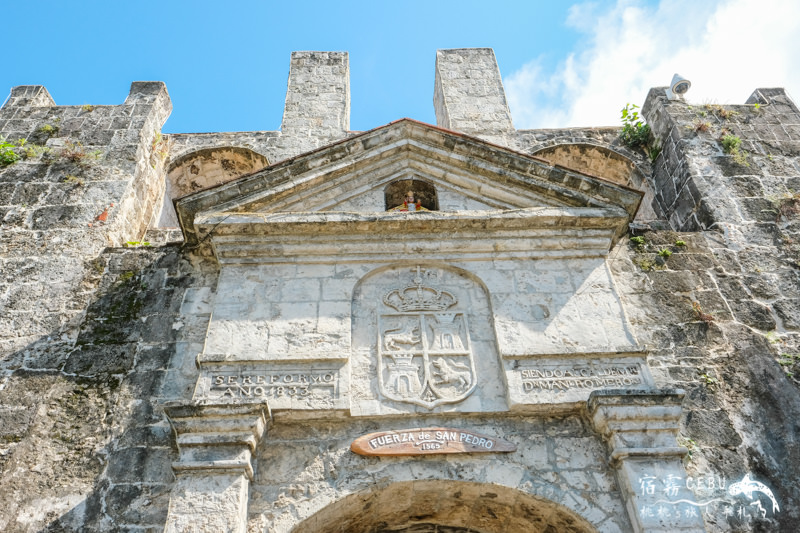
(472, 179)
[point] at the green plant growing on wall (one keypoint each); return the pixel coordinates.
(126, 276)
(701, 126)
(721, 112)
(788, 360)
(773, 337)
(11, 152)
(665, 253)
(7, 153)
(647, 263)
(30, 150)
(75, 152)
(87, 107)
(98, 265)
(689, 444)
(635, 133)
(73, 179)
(708, 380)
(680, 243)
(653, 150)
(159, 149)
(638, 242)
(731, 145)
(49, 129)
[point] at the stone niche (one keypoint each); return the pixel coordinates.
(601, 161)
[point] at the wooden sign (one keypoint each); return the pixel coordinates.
(427, 441)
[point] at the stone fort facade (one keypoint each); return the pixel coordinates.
(262, 331)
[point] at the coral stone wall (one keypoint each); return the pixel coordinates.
(94, 338)
(90, 178)
(84, 445)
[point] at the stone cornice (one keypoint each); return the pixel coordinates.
(524, 233)
(638, 423)
(217, 437)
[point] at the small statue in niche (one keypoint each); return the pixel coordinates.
(410, 204)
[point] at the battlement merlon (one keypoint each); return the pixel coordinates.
(28, 96)
(148, 92)
(318, 95)
(468, 94)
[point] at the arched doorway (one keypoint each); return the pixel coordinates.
(439, 506)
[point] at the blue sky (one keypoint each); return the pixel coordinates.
(563, 63)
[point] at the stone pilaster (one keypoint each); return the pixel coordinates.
(641, 429)
(214, 470)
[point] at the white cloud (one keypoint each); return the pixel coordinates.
(727, 48)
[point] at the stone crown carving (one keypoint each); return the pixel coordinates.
(418, 297)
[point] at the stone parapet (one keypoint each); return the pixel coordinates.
(695, 175)
(27, 96)
(90, 176)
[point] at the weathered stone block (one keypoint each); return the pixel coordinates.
(93, 360)
(711, 427)
(139, 464)
(789, 312)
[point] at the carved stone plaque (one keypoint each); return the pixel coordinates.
(427, 441)
(425, 356)
(302, 386)
(549, 380)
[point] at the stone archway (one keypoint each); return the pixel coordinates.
(438, 506)
(605, 163)
(204, 168)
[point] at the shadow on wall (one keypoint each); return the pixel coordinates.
(202, 169)
(83, 445)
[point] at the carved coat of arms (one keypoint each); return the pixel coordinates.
(424, 351)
